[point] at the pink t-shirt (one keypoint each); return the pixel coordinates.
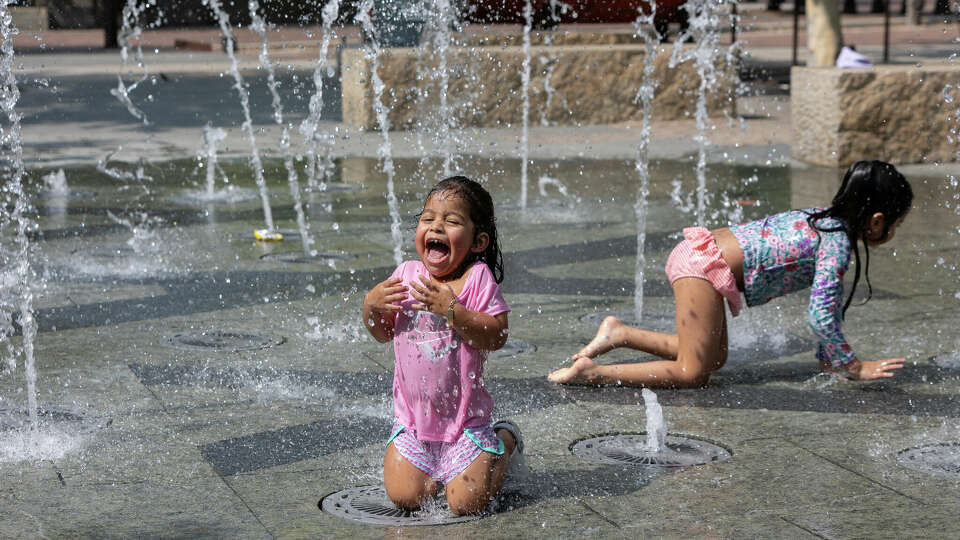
(438, 380)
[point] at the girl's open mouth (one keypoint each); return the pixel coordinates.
(436, 251)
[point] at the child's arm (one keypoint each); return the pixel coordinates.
(380, 307)
(481, 330)
(866, 370)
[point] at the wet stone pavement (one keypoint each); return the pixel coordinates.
(196, 384)
(201, 389)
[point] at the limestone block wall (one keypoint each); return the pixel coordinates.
(590, 84)
(899, 114)
(29, 18)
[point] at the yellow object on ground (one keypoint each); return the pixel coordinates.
(265, 235)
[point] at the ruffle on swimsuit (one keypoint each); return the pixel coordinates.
(699, 256)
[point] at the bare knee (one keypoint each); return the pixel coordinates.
(691, 377)
(467, 500)
(406, 496)
(471, 491)
(406, 486)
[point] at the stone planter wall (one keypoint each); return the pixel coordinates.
(893, 113)
(592, 84)
(29, 19)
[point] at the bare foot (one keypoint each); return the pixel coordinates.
(609, 336)
(581, 372)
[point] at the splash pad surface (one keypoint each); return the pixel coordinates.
(241, 444)
(280, 424)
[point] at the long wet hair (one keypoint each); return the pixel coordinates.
(868, 187)
(481, 214)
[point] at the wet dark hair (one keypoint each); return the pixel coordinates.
(481, 214)
(868, 187)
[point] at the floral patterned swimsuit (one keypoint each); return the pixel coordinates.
(783, 254)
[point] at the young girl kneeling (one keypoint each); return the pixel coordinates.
(763, 259)
(443, 313)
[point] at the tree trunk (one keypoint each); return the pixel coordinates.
(112, 11)
(823, 32)
(916, 5)
(913, 8)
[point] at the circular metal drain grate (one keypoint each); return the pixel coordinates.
(369, 504)
(513, 347)
(324, 257)
(19, 419)
(629, 449)
(941, 459)
(221, 340)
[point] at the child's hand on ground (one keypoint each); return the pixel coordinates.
(876, 369)
(867, 370)
(432, 296)
(387, 295)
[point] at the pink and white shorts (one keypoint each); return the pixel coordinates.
(699, 256)
(445, 461)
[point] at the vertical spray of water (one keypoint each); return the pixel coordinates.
(211, 137)
(525, 84)
(444, 14)
(704, 30)
(16, 260)
(260, 27)
(130, 30)
(549, 64)
(421, 126)
(645, 30)
(139, 175)
(308, 128)
(57, 194)
(951, 97)
(384, 151)
(142, 236)
(224, 21)
(56, 184)
(656, 426)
